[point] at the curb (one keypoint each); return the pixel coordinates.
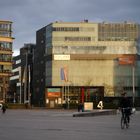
(95, 113)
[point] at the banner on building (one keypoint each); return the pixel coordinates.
(64, 74)
(126, 60)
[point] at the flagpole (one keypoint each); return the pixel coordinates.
(68, 94)
(25, 83)
(29, 79)
(20, 84)
(133, 79)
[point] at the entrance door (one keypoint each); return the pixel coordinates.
(52, 103)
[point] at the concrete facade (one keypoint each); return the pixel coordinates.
(6, 43)
(89, 56)
(22, 74)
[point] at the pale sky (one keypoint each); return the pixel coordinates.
(30, 15)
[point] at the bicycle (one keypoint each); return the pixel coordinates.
(125, 118)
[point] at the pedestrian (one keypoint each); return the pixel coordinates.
(82, 107)
(3, 108)
(79, 107)
(26, 105)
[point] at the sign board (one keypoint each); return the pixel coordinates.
(126, 60)
(61, 57)
(53, 92)
(88, 106)
(53, 89)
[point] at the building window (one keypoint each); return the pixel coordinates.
(66, 29)
(5, 57)
(5, 46)
(118, 32)
(5, 26)
(5, 33)
(5, 69)
(77, 38)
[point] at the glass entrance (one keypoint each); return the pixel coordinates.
(52, 103)
(77, 95)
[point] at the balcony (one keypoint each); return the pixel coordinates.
(5, 49)
(5, 73)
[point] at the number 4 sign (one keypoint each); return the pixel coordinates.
(100, 105)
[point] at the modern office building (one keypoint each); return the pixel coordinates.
(21, 80)
(27, 62)
(15, 81)
(6, 41)
(84, 61)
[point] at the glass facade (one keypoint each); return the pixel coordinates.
(118, 32)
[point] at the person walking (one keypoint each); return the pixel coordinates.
(3, 108)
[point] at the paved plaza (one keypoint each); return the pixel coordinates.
(60, 125)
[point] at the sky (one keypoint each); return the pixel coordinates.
(28, 16)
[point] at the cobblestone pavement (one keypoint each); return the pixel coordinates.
(60, 125)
